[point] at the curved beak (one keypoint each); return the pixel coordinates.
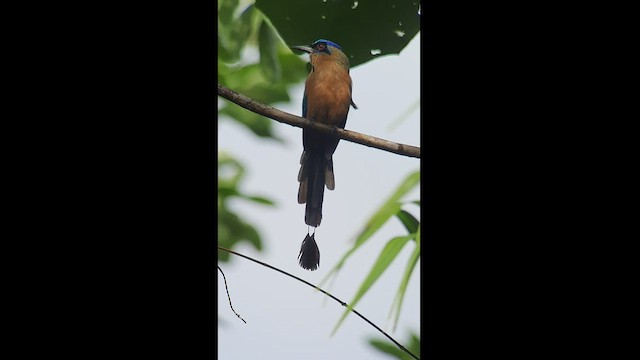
(304, 48)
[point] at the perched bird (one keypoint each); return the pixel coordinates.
(327, 97)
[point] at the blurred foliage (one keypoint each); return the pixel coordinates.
(390, 208)
(390, 348)
(231, 228)
(241, 33)
(241, 30)
(364, 29)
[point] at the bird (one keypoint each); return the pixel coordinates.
(327, 99)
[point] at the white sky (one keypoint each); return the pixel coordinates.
(285, 318)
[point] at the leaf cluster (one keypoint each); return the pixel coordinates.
(268, 79)
(390, 348)
(242, 31)
(231, 227)
(392, 207)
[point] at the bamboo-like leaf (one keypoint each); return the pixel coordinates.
(388, 254)
(378, 219)
(388, 209)
(407, 185)
(408, 220)
(387, 347)
(397, 302)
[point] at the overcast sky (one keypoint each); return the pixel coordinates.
(289, 320)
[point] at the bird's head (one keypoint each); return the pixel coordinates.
(322, 48)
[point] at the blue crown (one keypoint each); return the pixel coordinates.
(328, 42)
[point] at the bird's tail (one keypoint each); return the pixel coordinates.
(316, 171)
(309, 257)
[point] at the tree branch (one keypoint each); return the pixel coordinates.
(290, 119)
(326, 293)
(229, 296)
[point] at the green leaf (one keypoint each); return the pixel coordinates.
(260, 200)
(258, 124)
(390, 348)
(390, 207)
(250, 81)
(232, 36)
(397, 302)
(409, 222)
(364, 29)
(231, 227)
(225, 10)
(388, 254)
(407, 185)
(227, 190)
(268, 44)
(387, 347)
(378, 219)
(414, 345)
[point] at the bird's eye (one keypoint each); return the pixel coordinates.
(321, 46)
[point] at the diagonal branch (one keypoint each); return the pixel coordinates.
(284, 117)
(326, 293)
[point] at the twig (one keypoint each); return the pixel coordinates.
(326, 293)
(225, 286)
(290, 119)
